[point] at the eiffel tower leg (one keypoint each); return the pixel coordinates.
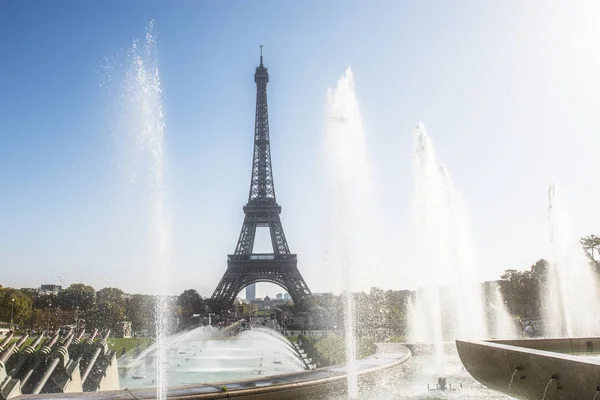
(225, 293)
(296, 287)
(278, 240)
(246, 241)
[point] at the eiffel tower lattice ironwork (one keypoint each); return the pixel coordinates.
(244, 267)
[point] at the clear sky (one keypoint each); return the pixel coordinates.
(509, 92)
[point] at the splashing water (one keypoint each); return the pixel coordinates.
(571, 296)
(202, 356)
(279, 342)
(145, 123)
(465, 289)
(512, 379)
(348, 170)
(446, 273)
(547, 387)
(430, 206)
(500, 323)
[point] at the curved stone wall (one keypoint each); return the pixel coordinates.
(297, 385)
(529, 373)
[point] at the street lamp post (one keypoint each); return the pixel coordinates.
(12, 306)
(48, 320)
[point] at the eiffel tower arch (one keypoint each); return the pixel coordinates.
(244, 267)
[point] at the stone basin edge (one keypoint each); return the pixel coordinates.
(528, 368)
(294, 385)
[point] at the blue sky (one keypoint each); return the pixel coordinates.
(508, 91)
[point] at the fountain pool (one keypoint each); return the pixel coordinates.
(202, 356)
(411, 382)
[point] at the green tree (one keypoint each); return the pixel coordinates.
(521, 290)
(189, 303)
(106, 315)
(45, 301)
(110, 309)
(51, 318)
(362, 310)
(79, 296)
(327, 310)
(591, 245)
(539, 270)
(111, 295)
(31, 293)
(192, 302)
(395, 311)
(140, 310)
(12, 300)
(376, 306)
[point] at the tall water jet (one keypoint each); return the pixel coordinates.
(449, 301)
(499, 323)
(144, 105)
(465, 286)
(345, 144)
(571, 304)
(430, 204)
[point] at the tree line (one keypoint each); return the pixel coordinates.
(82, 305)
(386, 312)
(521, 289)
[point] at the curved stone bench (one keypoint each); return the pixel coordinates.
(294, 385)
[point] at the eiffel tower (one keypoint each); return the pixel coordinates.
(244, 267)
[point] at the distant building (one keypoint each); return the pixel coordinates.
(244, 306)
(269, 304)
(251, 292)
(49, 289)
(257, 303)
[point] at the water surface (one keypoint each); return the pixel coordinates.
(197, 359)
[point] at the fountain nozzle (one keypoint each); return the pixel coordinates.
(442, 383)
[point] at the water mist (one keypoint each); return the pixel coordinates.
(348, 175)
(144, 122)
(449, 301)
(571, 301)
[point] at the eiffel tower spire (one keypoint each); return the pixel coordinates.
(244, 267)
(262, 190)
(262, 208)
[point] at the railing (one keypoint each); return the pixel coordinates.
(261, 256)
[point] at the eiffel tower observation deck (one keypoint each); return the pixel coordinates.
(244, 267)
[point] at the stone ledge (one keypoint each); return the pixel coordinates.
(294, 385)
(532, 371)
